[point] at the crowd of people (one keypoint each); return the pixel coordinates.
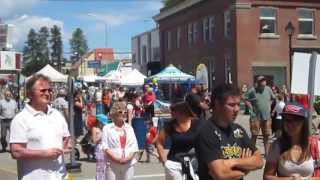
(201, 127)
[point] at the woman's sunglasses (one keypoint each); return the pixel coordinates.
(122, 112)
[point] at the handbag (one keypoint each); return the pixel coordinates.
(314, 150)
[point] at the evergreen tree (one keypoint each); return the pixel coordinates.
(31, 59)
(78, 43)
(169, 3)
(56, 47)
(43, 44)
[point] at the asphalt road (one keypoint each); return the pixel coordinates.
(143, 171)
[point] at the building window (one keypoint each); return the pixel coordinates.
(205, 29)
(190, 29)
(211, 28)
(195, 32)
(134, 56)
(144, 54)
(169, 40)
(227, 24)
(178, 37)
(156, 53)
(268, 20)
(306, 22)
(227, 69)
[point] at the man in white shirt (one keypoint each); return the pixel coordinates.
(8, 109)
(39, 135)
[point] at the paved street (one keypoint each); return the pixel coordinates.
(143, 171)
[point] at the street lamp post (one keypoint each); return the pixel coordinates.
(105, 26)
(290, 31)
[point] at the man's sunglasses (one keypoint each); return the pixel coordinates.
(46, 90)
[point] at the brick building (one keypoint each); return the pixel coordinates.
(236, 40)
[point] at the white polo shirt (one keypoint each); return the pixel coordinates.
(38, 131)
(111, 140)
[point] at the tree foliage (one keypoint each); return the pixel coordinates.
(31, 54)
(169, 3)
(78, 43)
(56, 46)
(43, 44)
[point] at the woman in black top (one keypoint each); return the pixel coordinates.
(182, 131)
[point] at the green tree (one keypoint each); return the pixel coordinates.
(56, 47)
(170, 3)
(31, 59)
(43, 44)
(78, 43)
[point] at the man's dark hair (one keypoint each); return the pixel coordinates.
(221, 92)
(34, 78)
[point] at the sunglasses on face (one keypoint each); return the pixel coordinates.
(122, 112)
(46, 90)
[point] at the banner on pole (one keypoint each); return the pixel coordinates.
(300, 74)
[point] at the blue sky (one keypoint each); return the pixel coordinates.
(124, 19)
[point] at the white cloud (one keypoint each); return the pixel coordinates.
(24, 23)
(110, 19)
(9, 8)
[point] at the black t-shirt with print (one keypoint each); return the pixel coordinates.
(215, 143)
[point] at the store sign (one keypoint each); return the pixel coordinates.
(94, 64)
(8, 60)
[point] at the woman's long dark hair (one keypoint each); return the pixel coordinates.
(182, 107)
(286, 143)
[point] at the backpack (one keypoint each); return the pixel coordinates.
(314, 146)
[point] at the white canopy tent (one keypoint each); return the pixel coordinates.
(53, 74)
(112, 77)
(91, 78)
(132, 78)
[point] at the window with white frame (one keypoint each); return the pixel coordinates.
(195, 32)
(227, 23)
(190, 29)
(211, 28)
(268, 20)
(169, 40)
(205, 29)
(178, 37)
(306, 21)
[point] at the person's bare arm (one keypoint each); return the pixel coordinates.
(96, 135)
(112, 157)
(19, 151)
(270, 172)
(204, 106)
(78, 103)
(223, 169)
(160, 145)
(249, 162)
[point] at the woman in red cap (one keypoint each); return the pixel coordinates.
(290, 156)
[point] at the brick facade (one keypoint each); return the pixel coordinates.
(250, 52)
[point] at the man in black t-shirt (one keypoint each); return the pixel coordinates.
(223, 148)
(195, 101)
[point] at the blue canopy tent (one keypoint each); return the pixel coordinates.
(171, 74)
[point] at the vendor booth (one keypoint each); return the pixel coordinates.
(133, 78)
(53, 74)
